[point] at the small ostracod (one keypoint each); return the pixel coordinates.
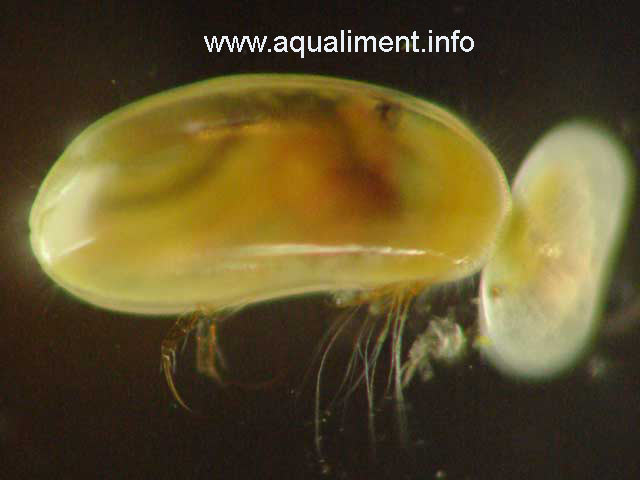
(541, 293)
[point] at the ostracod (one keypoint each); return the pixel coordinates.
(251, 187)
(541, 293)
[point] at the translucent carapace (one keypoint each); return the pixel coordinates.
(251, 187)
(542, 291)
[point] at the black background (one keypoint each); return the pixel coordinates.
(81, 395)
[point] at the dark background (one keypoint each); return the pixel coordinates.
(81, 395)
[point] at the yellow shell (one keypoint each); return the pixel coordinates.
(251, 187)
(541, 293)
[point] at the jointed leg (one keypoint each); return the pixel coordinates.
(175, 336)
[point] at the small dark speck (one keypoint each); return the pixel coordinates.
(389, 113)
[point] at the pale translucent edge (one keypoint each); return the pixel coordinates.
(621, 160)
(235, 83)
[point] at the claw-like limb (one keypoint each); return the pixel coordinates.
(210, 360)
(176, 334)
(207, 354)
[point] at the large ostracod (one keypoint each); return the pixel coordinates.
(251, 187)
